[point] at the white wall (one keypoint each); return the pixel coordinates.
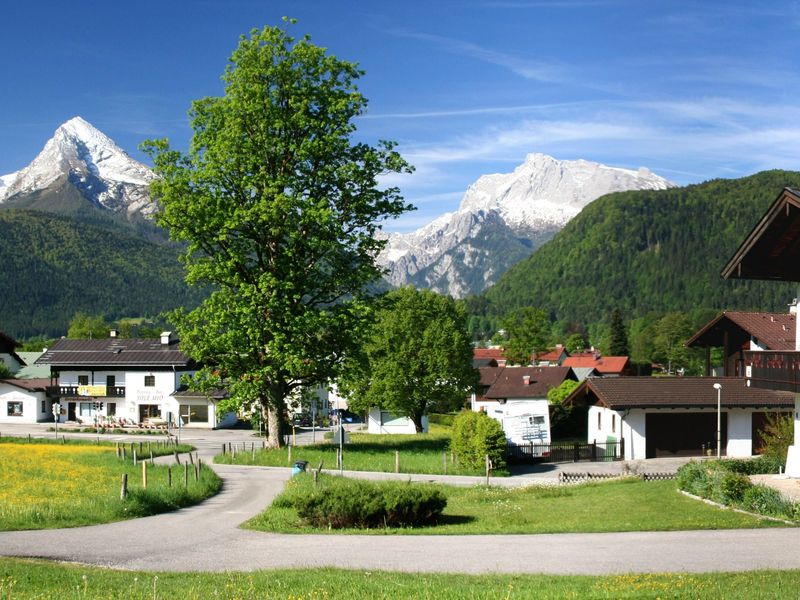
(31, 405)
(740, 431)
(635, 435)
(384, 422)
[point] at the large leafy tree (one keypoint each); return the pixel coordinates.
(418, 357)
(278, 208)
(527, 331)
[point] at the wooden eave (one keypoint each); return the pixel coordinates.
(772, 249)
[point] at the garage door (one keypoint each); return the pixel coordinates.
(683, 434)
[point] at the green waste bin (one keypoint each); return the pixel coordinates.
(299, 467)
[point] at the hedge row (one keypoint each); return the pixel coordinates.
(726, 482)
(338, 502)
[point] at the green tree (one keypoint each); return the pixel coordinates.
(5, 371)
(618, 343)
(671, 333)
(575, 343)
(527, 331)
(555, 398)
(476, 435)
(87, 327)
(278, 208)
(417, 359)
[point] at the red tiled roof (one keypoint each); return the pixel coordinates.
(604, 364)
(550, 355)
(676, 392)
(510, 382)
(776, 331)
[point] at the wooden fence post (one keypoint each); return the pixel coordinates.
(144, 474)
(488, 468)
(397, 461)
(289, 454)
(177, 458)
(134, 459)
(169, 476)
(123, 491)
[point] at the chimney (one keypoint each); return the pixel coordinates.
(526, 380)
(793, 307)
(113, 333)
(166, 338)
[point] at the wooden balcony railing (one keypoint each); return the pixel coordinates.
(60, 391)
(773, 370)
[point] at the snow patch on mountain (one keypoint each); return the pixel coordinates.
(526, 207)
(103, 171)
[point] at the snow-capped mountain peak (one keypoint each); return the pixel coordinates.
(517, 211)
(92, 162)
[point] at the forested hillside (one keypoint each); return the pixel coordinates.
(54, 266)
(646, 252)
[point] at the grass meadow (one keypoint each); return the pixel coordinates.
(28, 579)
(47, 484)
(424, 453)
(627, 505)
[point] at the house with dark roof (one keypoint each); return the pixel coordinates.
(771, 251)
(127, 381)
(677, 416)
(24, 401)
(738, 333)
(517, 397)
(8, 353)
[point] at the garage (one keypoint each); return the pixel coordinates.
(684, 433)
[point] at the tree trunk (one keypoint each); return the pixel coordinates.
(274, 437)
(417, 419)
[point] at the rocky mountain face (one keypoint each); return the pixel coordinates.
(502, 219)
(80, 158)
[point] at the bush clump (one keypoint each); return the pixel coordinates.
(767, 501)
(341, 503)
(476, 435)
(727, 482)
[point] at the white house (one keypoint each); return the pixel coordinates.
(126, 381)
(677, 416)
(24, 401)
(382, 421)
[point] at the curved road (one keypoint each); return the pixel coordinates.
(206, 537)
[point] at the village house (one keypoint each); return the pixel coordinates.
(677, 416)
(604, 366)
(123, 382)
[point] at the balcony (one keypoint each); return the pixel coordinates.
(87, 391)
(773, 370)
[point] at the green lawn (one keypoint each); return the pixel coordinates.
(626, 505)
(21, 579)
(49, 484)
(423, 453)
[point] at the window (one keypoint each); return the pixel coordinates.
(194, 413)
(111, 409)
(83, 380)
(86, 409)
(613, 423)
(599, 421)
(44, 406)
(15, 409)
(149, 381)
(111, 381)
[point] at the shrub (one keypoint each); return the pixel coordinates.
(475, 435)
(751, 466)
(778, 435)
(730, 487)
(341, 503)
(767, 501)
(695, 478)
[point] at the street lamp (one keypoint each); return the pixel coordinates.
(718, 387)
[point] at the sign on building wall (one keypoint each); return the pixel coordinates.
(91, 390)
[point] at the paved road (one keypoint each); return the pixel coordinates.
(207, 538)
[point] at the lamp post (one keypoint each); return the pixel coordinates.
(718, 387)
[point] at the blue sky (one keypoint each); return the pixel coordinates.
(692, 90)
